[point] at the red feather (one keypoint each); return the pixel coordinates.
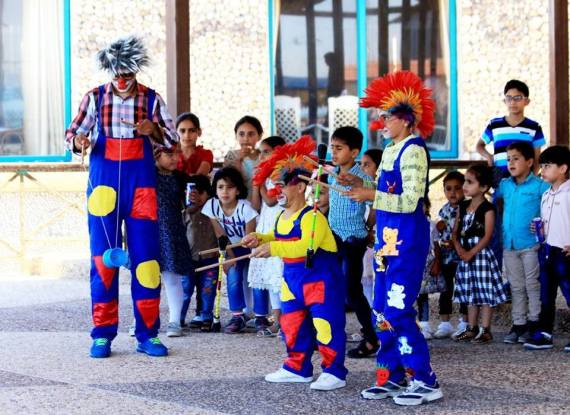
(403, 87)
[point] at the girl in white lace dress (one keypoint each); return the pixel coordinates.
(267, 273)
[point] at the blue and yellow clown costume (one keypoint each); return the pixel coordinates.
(121, 188)
(402, 233)
(312, 298)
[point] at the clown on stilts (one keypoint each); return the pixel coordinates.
(122, 121)
(312, 293)
(403, 370)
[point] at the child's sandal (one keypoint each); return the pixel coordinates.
(362, 351)
(468, 335)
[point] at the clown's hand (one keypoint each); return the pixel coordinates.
(262, 251)
(360, 194)
(351, 180)
(250, 241)
(80, 141)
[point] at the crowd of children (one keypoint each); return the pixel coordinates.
(257, 201)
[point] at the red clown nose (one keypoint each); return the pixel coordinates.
(121, 83)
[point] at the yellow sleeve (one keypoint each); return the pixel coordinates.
(324, 239)
(265, 237)
(413, 167)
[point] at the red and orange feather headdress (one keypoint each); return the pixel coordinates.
(403, 91)
(285, 160)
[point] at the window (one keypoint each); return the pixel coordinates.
(32, 95)
(330, 48)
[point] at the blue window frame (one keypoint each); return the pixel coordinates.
(67, 97)
(361, 69)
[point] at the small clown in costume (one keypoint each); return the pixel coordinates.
(405, 107)
(121, 122)
(312, 298)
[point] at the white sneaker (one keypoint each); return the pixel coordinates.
(284, 376)
(328, 382)
(461, 327)
(354, 338)
(426, 330)
(444, 330)
(132, 328)
(387, 390)
(417, 393)
(173, 330)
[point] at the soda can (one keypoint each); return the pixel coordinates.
(189, 188)
(538, 228)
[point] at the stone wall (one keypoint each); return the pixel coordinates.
(229, 67)
(499, 41)
(94, 24)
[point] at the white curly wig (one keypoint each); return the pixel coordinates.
(123, 56)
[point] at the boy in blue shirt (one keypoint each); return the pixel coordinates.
(514, 127)
(521, 194)
(348, 223)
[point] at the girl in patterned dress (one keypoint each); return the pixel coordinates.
(478, 279)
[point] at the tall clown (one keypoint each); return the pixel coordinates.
(405, 107)
(312, 298)
(121, 121)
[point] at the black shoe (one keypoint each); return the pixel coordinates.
(540, 341)
(362, 350)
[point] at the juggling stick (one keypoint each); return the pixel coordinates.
(328, 186)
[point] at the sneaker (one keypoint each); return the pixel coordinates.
(362, 351)
(132, 328)
(417, 393)
(387, 390)
(195, 323)
(525, 337)
(444, 330)
(207, 326)
(271, 331)
(426, 330)
(483, 337)
(512, 337)
(101, 348)
(153, 347)
(540, 341)
(261, 323)
(567, 348)
(328, 382)
(250, 323)
(173, 330)
(284, 376)
(468, 334)
(461, 327)
(236, 325)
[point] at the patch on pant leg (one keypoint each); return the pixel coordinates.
(144, 203)
(148, 274)
(324, 333)
(290, 324)
(106, 274)
(381, 323)
(396, 296)
(382, 374)
(390, 237)
(148, 309)
(124, 149)
(102, 201)
(295, 360)
(314, 292)
(328, 355)
(286, 294)
(106, 314)
(404, 347)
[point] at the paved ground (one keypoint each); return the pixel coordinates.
(45, 368)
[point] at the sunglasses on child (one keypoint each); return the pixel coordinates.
(514, 98)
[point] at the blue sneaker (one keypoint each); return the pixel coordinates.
(101, 348)
(539, 341)
(153, 347)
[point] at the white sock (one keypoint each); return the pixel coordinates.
(174, 294)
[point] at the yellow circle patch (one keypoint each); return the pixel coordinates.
(102, 201)
(324, 334)
(286, 294)
(148, 274)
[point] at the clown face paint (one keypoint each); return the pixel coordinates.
(282, 200)
(122, 84)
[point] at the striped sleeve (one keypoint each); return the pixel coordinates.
(538, 140)
(84, 121)
(487, 135)
(162, 117)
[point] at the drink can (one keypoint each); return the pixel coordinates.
(189, 188)
(538, 228)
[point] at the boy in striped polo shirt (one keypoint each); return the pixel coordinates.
(348, 222)
(503, 131)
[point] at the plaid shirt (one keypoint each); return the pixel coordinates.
(346, 217)
(114, 109)
(448, 214)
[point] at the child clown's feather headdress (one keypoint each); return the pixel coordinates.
(403, 94)
(286, 162)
